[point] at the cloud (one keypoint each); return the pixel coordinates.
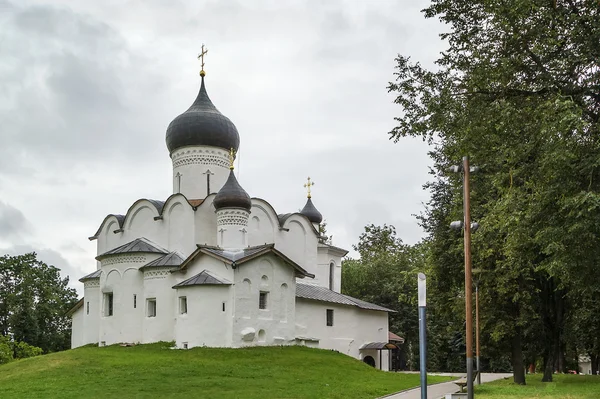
(87, 90)
(13, 224)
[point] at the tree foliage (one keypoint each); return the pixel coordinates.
(386, 274)
(34, 300)
(517, 89)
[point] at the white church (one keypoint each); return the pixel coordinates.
(212, 266)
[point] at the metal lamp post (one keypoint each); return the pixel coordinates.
(422, 334)
(467, 225)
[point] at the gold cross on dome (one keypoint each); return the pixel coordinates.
(201, 58)
(308, 185)
(231, 157)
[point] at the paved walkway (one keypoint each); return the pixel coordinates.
(437, 391)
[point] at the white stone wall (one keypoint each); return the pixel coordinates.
(275, 324)
(352, 327)
(77, 328)
(208, 320)
(158, 283)
(91, 318)
(326, 257)
(232, 228)
(175, 231)
(191, 166)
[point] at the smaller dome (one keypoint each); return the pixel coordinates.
(232, 195)
(311, 212)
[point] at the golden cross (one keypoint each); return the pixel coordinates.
(201, 58)
(231, 158)
(307, 185)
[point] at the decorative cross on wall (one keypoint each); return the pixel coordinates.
(178, 176)
(308, 185)
(208, 173)
(201, 58)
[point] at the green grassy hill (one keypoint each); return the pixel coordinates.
(155, 371)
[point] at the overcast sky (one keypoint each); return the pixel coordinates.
(88, 88)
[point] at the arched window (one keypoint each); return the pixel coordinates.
(331, 275)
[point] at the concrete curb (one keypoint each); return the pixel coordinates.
(417, 387)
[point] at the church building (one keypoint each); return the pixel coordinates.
(212, 266)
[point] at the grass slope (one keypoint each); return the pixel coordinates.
(563, 387)
(153, 371)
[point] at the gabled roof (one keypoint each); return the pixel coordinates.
(323, 294)
(91, 276)
(334, 249)
(203, 278)
(236, 258)
(139, 245)
(394, 337)
(78, 305)
(174, 259)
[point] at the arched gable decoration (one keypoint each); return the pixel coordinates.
(282, 218)
(160, 207)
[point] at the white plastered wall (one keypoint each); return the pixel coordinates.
(208, 319)
(275, 324)
(191, 165)
(352, 327)
(326, 257)
(91, 319)
(121, 277)
(77, 328)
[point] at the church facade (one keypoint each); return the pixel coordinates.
(211, 266)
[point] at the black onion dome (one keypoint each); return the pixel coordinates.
(311, 212)
(202, 124)
(232, 195)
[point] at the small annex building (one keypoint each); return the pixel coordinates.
(212, 266)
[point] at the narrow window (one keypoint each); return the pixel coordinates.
(152, 307)
(108, 304)
(185, 345)
(182, 305)
(329, 317)
(223, 306)
(331, 275)
(134, 301)
(87, 307)
(102, 343)
(262, 300)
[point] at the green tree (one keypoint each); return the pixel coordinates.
(518, 90)
(34, 300)
(386, 274)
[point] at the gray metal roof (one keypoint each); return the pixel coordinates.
(170, 259)
(139, 245)
(232, 195)
(323, 294)
(311, 212)
(238, 257)
(90, 276)
(202, 124)
(203, 278)
(235, 256)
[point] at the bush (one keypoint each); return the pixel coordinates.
(10, 350)
(23, 350)
(6, 353)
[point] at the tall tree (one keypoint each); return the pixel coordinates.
(34, 300)
(517, 89)
(386, 274)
